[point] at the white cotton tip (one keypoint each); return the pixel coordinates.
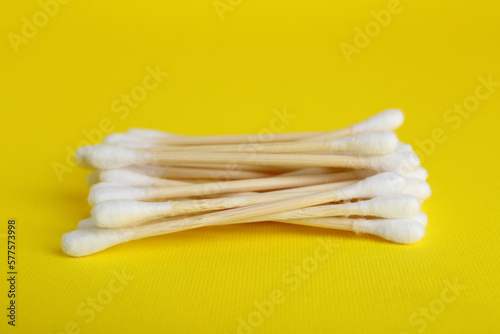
(403, 231)
(421, 218)
(417, 188)
(402, 147)
(119, 137)
(155, 171)
(93, 178)
(102, 185)
(111, 157)
(80, 153)
(150, 133)
(382, 184)
(119, 213)
(129, 178)
(392, 206)
(111, 193)
(400, 162)
(80, 157)
(369, 142)
(135, 145)
(127, 140)
(86, 223)
(420, 174)
(388, 120)
(88, 241)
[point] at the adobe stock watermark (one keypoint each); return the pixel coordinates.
(373, 28)
(223, 6)
(89, 309)
(429, 313)
(454, 116)
(292, 278)
(121, 108)
(30, 26)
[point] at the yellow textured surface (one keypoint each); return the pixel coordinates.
(232, 76)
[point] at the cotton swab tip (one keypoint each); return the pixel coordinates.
(417, 188)
(403, 231)
(86, 223)
(387, 120)
(402, 147)
(369, 142)
(93, 178)
(400, 162)
(119, 137)
(111, 157)
(110, 193)
(88, 241)
(102, 185)
(378, 185)
(127, 178)
(119, 213)
(392, 206)
(420, 174)
(80, 157)
(149, 133)
(421, 218)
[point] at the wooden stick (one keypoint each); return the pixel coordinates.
(207, 140)
(317, 170)
(87, 241)
(394, 162)
(130, 178)
(420, 217)
(381, 184)
(211, 188)
(140, 176)
(197, 173)
(81, 159)
(119, 213)
(112, 157)
(387, 120)
(414, 187)
(123, 177)
(369, 142)
(378, 185)
(239, 167)
(417, 188)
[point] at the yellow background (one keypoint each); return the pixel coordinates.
(230, 76)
